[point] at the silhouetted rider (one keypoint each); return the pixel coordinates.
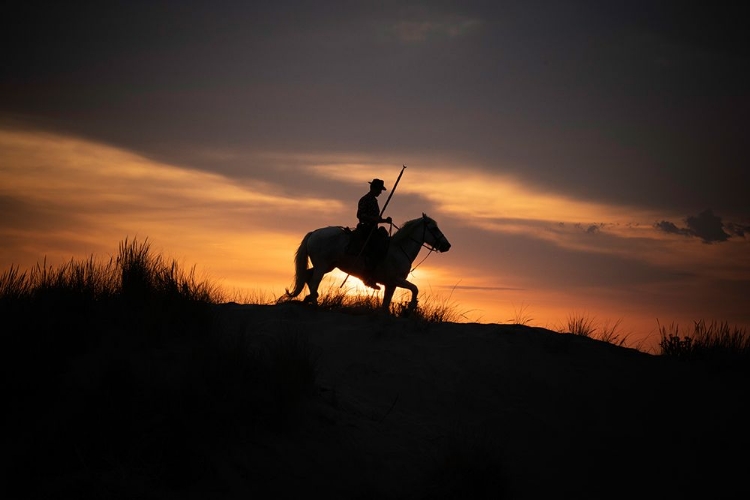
(368, 213)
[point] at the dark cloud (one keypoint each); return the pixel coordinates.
(706, 226)
(669, 227)
(738, 229)
(590, 229)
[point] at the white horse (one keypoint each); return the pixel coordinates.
(326, 250)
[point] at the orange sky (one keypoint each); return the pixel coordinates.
(70, 198)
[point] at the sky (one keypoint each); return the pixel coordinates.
(583, 158)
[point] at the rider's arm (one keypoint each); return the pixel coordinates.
(376, 219)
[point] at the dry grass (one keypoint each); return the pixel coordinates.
(714, 342)
(430, 309)
(586, 325)
(521, 315)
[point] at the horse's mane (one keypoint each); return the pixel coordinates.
(408, 228)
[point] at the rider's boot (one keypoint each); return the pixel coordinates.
(368, 278)
(370, 282)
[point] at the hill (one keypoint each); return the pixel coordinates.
(166, 397)
(405, 409)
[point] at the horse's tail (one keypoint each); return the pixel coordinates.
(300, 268)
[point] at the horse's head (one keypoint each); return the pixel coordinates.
(433, 236)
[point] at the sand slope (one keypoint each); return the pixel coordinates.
(412, 410)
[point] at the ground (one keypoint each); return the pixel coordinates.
(405, 409)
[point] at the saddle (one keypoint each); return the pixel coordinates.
(377, 244)
(357, 238)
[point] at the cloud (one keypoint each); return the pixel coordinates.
(669, 227)
(738, 229)
(706, 226)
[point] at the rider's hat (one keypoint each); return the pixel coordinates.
(377, 184)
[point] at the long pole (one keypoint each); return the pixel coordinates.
(382, 211)
(392, 191)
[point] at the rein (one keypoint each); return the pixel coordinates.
(422, 243)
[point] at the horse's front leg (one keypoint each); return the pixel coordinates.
(388, 297)
(403, 283)
(414, 293)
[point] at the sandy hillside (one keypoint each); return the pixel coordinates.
(411, 410)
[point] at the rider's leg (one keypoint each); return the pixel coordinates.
(370, 263)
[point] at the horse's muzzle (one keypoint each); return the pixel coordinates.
(444, 247)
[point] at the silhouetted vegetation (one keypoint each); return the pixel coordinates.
(521, 315)
(428, 310)
(715, 343)
(587, 326)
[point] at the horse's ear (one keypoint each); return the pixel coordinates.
(424, 215)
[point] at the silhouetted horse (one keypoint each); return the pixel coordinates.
(326, 250)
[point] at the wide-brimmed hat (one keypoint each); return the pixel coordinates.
(378, 184)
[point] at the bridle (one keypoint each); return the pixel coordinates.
(436, 234)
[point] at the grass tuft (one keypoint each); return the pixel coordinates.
(521, 315)
(580, 324)
(588, 326)
(714, 342)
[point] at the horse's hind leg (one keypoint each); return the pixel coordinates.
(308, 281)
(315, 276)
